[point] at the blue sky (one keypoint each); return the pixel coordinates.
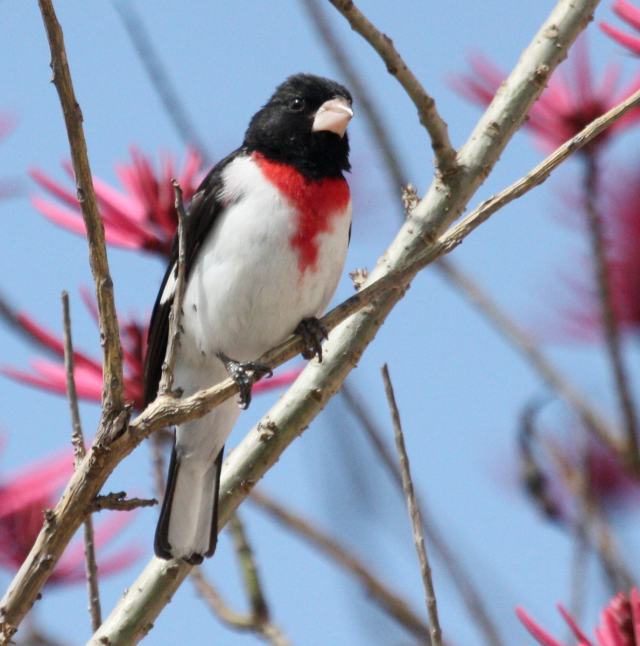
(460, 387)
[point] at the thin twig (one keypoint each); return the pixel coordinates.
(365, 102)
(377, 590)
(160, 79)
(77, 439)
(452, 562)
(166, 380)
(446, 162)
(113, 388)
(249, 569)
(267, 630)
(414, 512)
(118, 501)
(605, 301)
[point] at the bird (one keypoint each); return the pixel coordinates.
(266, 237)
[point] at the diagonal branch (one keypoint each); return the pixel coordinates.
(446, 163)
(160, 80)
(397, 174)
(418, 243)
(112, 393)
(263, 628)
(395, 606)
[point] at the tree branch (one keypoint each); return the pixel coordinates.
(236, 620)
(160, 80)
(435, 632)
(77, 439)
(168, 366)
(452, 562)
(446, 163)
(377, 590)
(118, 501)
(112, 393)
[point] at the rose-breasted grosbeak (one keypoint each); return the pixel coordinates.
(266, 240)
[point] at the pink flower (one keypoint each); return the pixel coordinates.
(24, 497)
(619, 624)
(631, 15)
(51, 375)
(570, 102)
(143, 217)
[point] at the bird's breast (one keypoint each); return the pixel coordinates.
(316, 203)
(273, 258)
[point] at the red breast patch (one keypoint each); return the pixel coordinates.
(317, 203)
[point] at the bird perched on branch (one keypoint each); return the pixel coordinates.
(266, 238)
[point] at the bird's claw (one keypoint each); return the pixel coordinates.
(245, 375)
(313, 333)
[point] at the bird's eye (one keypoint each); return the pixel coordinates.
(297, 104)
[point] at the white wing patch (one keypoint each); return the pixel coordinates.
(169, 287)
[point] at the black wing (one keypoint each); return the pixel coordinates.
(203, 212)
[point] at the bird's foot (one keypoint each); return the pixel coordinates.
(245, 375)
(313, 334)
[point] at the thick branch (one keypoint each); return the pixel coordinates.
(112, 393)
(446, 163)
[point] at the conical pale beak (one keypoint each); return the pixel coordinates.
(334, 116)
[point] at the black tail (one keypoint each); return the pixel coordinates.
(162, 545)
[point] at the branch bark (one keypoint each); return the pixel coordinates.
(435, 631)
(394, 605)
(446, 163)
(113, 389)
(77, 439)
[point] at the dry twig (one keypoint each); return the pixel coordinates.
(446, 162)
(249, 569)
(77, 439)
(118, 501)
(168, 366)
(113, 389)
(414, 512)
(452, 562)
(236, 620)
(159, 77)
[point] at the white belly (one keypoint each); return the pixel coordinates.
(246, 292)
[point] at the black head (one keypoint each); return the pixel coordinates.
(282, 129)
